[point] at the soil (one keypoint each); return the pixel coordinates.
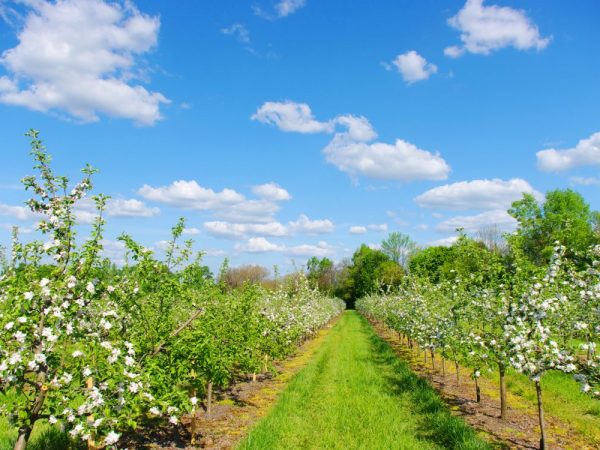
(234, 411)
(521, 428)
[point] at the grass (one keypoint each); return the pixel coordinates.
(356, 394)
(43, 437)
(563, 400)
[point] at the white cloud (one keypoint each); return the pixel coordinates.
(307, 226)
(271, 191)
(240, 32)
(303, 225)
(213, 252)
(79, 57)
(18, 212)
(381, 227)
(413, 67)
(114, 250)
(291, 116)
(444, 242)
(21, 230)
(471, 224)
(320, 250)
(85, 210)
(286, 7)
(129, 208)
(399, 161)
(241, 230)
(454, 52)
(358, 229)
(476, 194)
(226, 204)
(258, 245)
(283, 8)
(162, 245)
(585, 181)
(422, 227)
(361, 229)
(190, 195)
(255, 211)
(358, 127)
(191, 231)
(262, 245)
(350, 150)
(488, 28)
(585, 153)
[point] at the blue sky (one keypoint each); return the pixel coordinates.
(285, 129)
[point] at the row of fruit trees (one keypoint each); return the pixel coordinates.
(99, 351)
(532, 321)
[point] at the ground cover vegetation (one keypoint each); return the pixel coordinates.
(356, 394)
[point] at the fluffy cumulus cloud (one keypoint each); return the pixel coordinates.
(401, 160)
(585, 153)
(17, 212)
(271, 191)
(361, 229)
(86, 212)
(488, 28)
(351, 150)
(471, 224)
(291, 116)
(306, 226)
(445, 242)
(303, 225)
(241, 230)
(190, 195)
(358, 229)
(227, 204)
(358, 128)
(413, 67)
(78, 58)
(262, 245)
(476, 194)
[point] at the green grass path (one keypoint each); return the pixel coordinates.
(356, 394)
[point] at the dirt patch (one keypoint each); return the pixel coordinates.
(234, 411)
(519, 431)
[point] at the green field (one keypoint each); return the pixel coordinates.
(356, 394)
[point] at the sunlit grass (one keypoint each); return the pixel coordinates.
(356, 394)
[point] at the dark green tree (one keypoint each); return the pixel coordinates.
(564, 216)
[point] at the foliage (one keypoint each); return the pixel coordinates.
(398, 247)
(97, 350)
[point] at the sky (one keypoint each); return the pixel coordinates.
(285, 129)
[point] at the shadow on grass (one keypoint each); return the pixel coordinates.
(437, 424)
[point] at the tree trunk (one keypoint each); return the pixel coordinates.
(91, 444)
(443, 367)
(503, 408)
(477, 389)
(538, 390)
(457, 373)
(432, 359)
(24, 433)
(253, 376)
(194, 421)
(425, 355)
(209, 389)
